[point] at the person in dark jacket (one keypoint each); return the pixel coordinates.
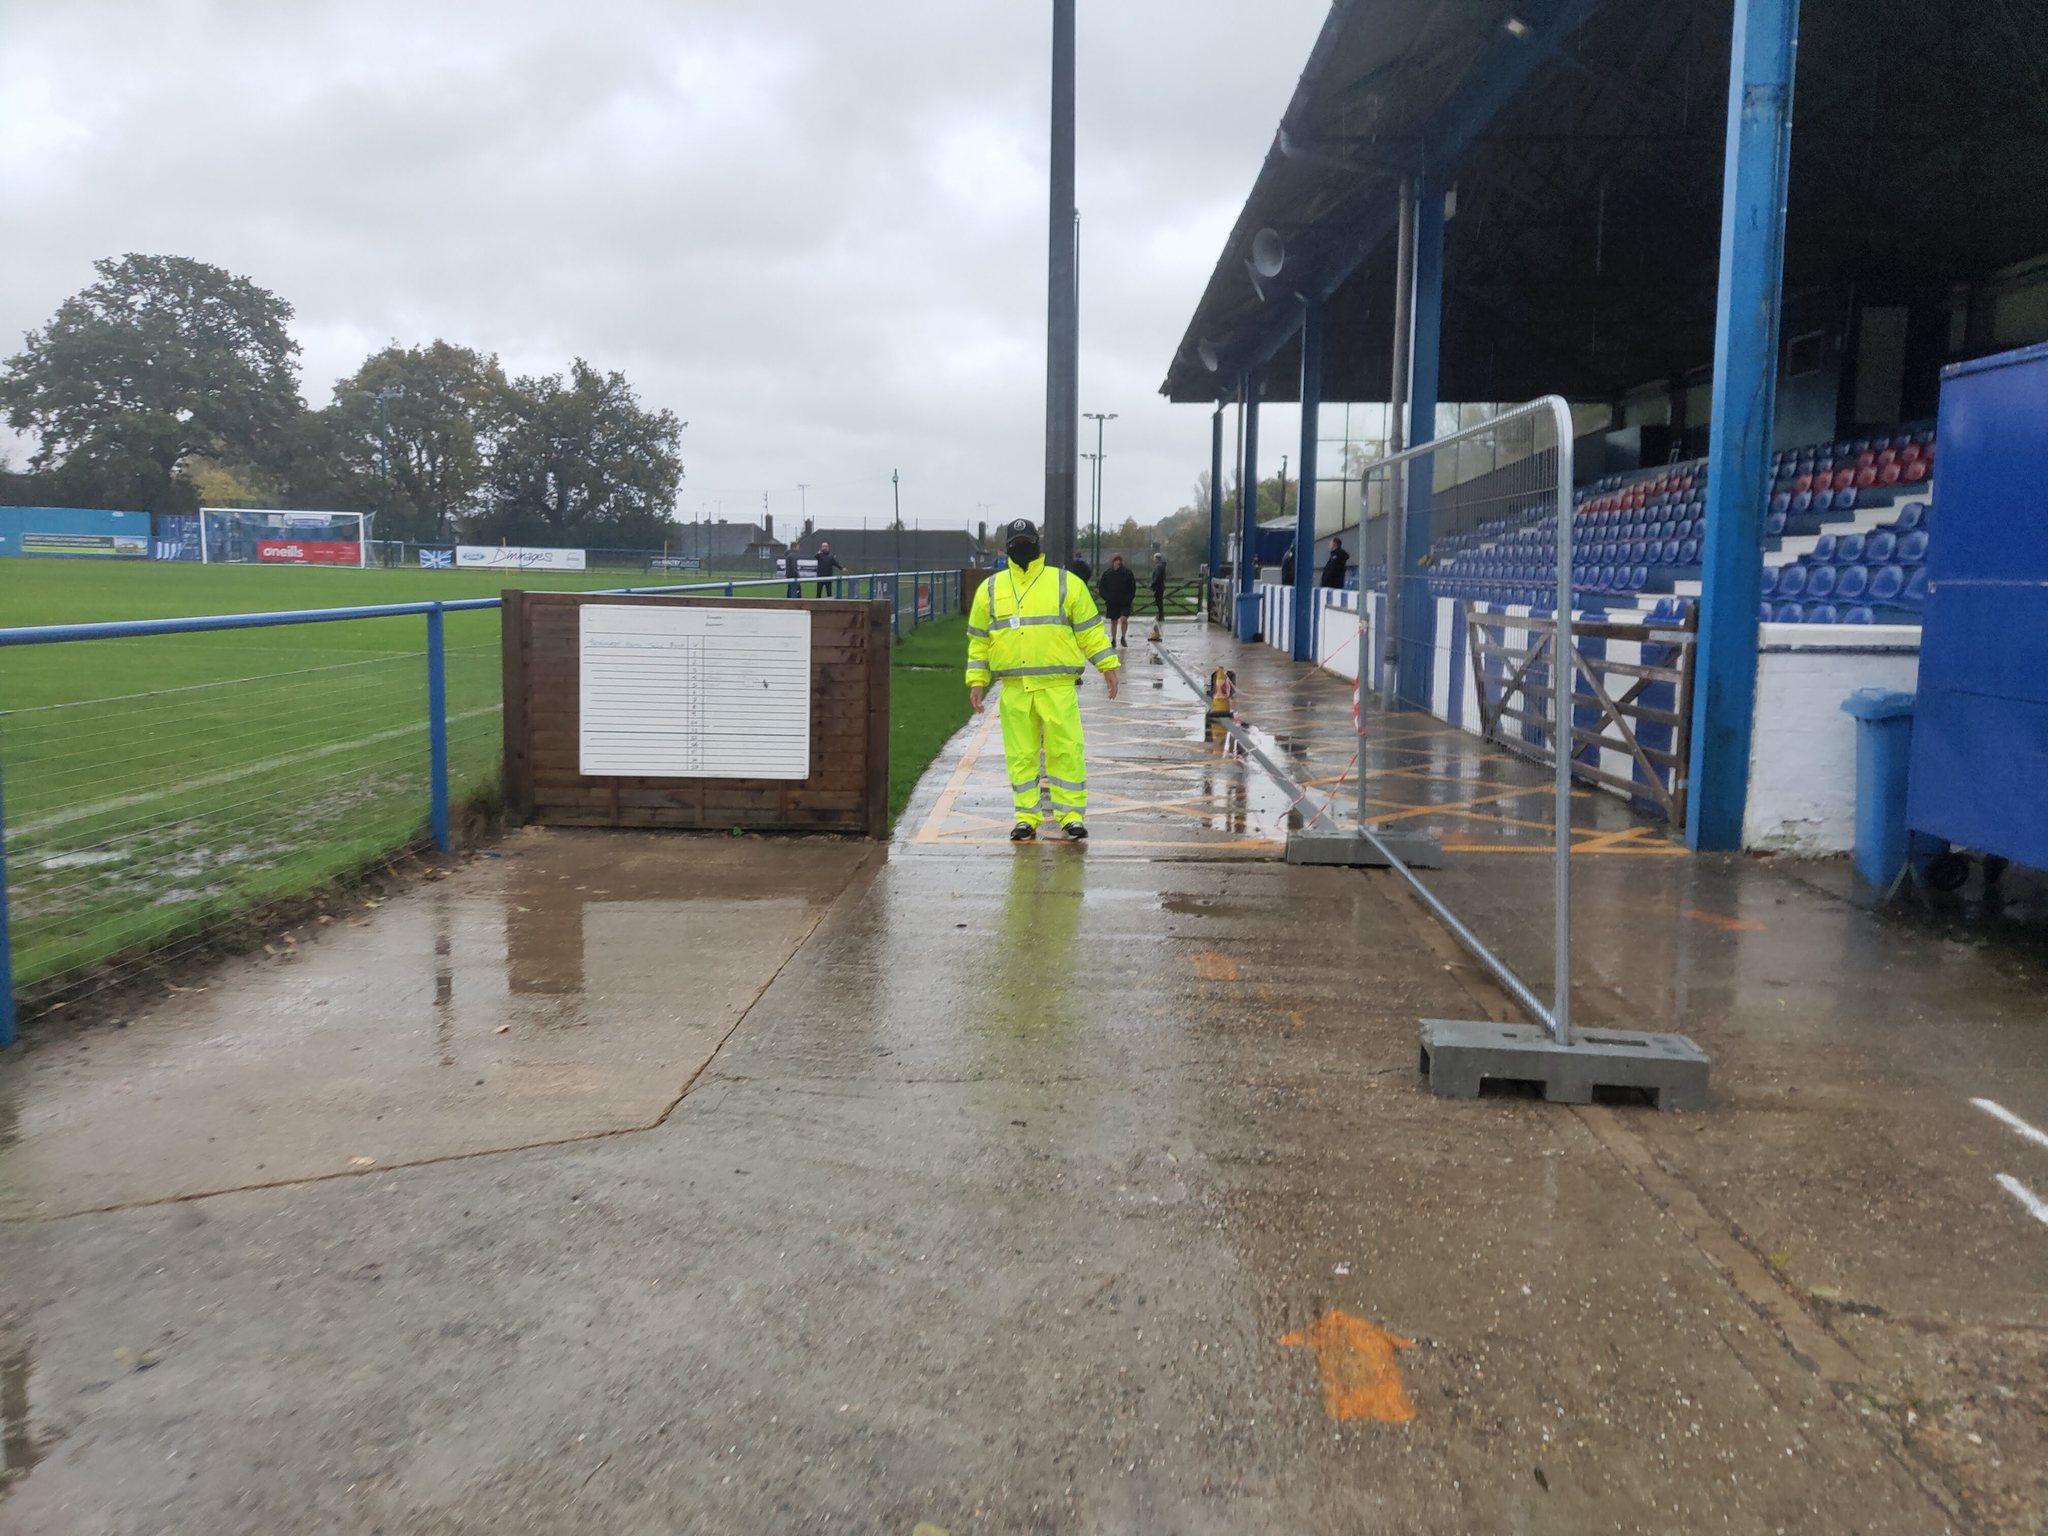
(1159, 586)
(792, 569)
(1119, 596)
(1287, 567)
(828, 566)
(1335, 567)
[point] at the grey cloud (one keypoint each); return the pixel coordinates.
(816, 230)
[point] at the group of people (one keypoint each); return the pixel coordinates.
(828, 569)
(1334, 566)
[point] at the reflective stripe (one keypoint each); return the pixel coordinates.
(1039, 618)
(979, 634)
(1018, 789)
(1106, 651)
(1040, 671)
(1079, 787)
(1063, 590)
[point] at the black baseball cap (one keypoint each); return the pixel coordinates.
(1021, 528)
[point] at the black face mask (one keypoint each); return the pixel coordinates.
(1022, 551)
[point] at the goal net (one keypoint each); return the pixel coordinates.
(240, 536)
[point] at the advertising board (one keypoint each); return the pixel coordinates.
(511, 557)
(307, 552)
(119, 546)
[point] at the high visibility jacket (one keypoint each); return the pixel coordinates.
(1035, 628)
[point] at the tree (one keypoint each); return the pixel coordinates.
(411, 431)
(161, 361)
(579, 462)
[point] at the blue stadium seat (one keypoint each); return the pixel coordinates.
(1820, 581)
(1915, 590)
(1671, 549)
(1770, 586)
(1852, 583)
(1913, 547)
(1792, 581)
(1764, 612)
(1688, 551)
(1886, 582)
(1880, 547)
(1802, 503)
(1788, 613)
(1824, 550)
(1859, 615)
(1774, 525)
(1849, 549)
(1638, 578)
(1845, 499)
(1826, 613)
(1912, 515)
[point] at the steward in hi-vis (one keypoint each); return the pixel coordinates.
(1035, 629)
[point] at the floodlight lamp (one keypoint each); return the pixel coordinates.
(1517, 27)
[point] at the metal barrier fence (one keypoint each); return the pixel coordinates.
(161, 777)
(1521, 548)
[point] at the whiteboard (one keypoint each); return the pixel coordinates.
(695, 693)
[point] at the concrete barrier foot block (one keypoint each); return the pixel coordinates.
(1461, 1056)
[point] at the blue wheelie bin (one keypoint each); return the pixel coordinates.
(1884, 748)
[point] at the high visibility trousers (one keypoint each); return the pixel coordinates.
(1044, 720)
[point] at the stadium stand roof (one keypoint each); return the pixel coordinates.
(1584, 140)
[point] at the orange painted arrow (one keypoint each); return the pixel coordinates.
(1361, 1377)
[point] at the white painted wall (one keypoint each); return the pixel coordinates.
(1802, 764)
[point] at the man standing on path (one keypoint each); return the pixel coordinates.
(1335, 567)
(1034, 628)
(1159, 586)
(793, 568)
(1119, 596)
(828, 566)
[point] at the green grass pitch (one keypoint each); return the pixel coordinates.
(156, 787)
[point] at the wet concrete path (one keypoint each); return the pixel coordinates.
(1035, 1190)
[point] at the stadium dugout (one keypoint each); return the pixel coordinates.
(1592, 218)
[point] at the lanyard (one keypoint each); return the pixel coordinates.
(1017, 598)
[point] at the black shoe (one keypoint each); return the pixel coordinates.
(1076, 833)
(1023, 832)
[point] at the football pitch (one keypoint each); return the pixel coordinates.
(158, 787)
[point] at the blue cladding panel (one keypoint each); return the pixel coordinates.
(1980, 731)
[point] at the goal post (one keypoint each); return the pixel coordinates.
(265, 536)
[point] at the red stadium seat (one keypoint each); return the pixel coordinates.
(1866, 476)
(1888, 475)
(1802, 483)
(1917, 471)
(1888, 458)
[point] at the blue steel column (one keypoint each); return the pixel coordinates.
(1248, 517)
(1416, 624)
(1759, 153)
(1305, 496)
(1215, 500)
(437, 725)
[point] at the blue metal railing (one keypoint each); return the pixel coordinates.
(942, 587)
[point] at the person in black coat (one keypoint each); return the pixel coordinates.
(828, 566)
(1287, 567)
(1335, 567)
(792, 569)
(1159, 587)
(1119, 596)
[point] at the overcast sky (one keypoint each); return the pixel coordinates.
(815, 229)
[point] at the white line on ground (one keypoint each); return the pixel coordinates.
(1999, 1112)
(228, 776)
(2036, 1206)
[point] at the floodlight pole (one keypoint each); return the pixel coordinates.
(1062, 305)
(1098, 417)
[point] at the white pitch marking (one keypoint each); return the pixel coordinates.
(1999, 1112)
(2036, 1206)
